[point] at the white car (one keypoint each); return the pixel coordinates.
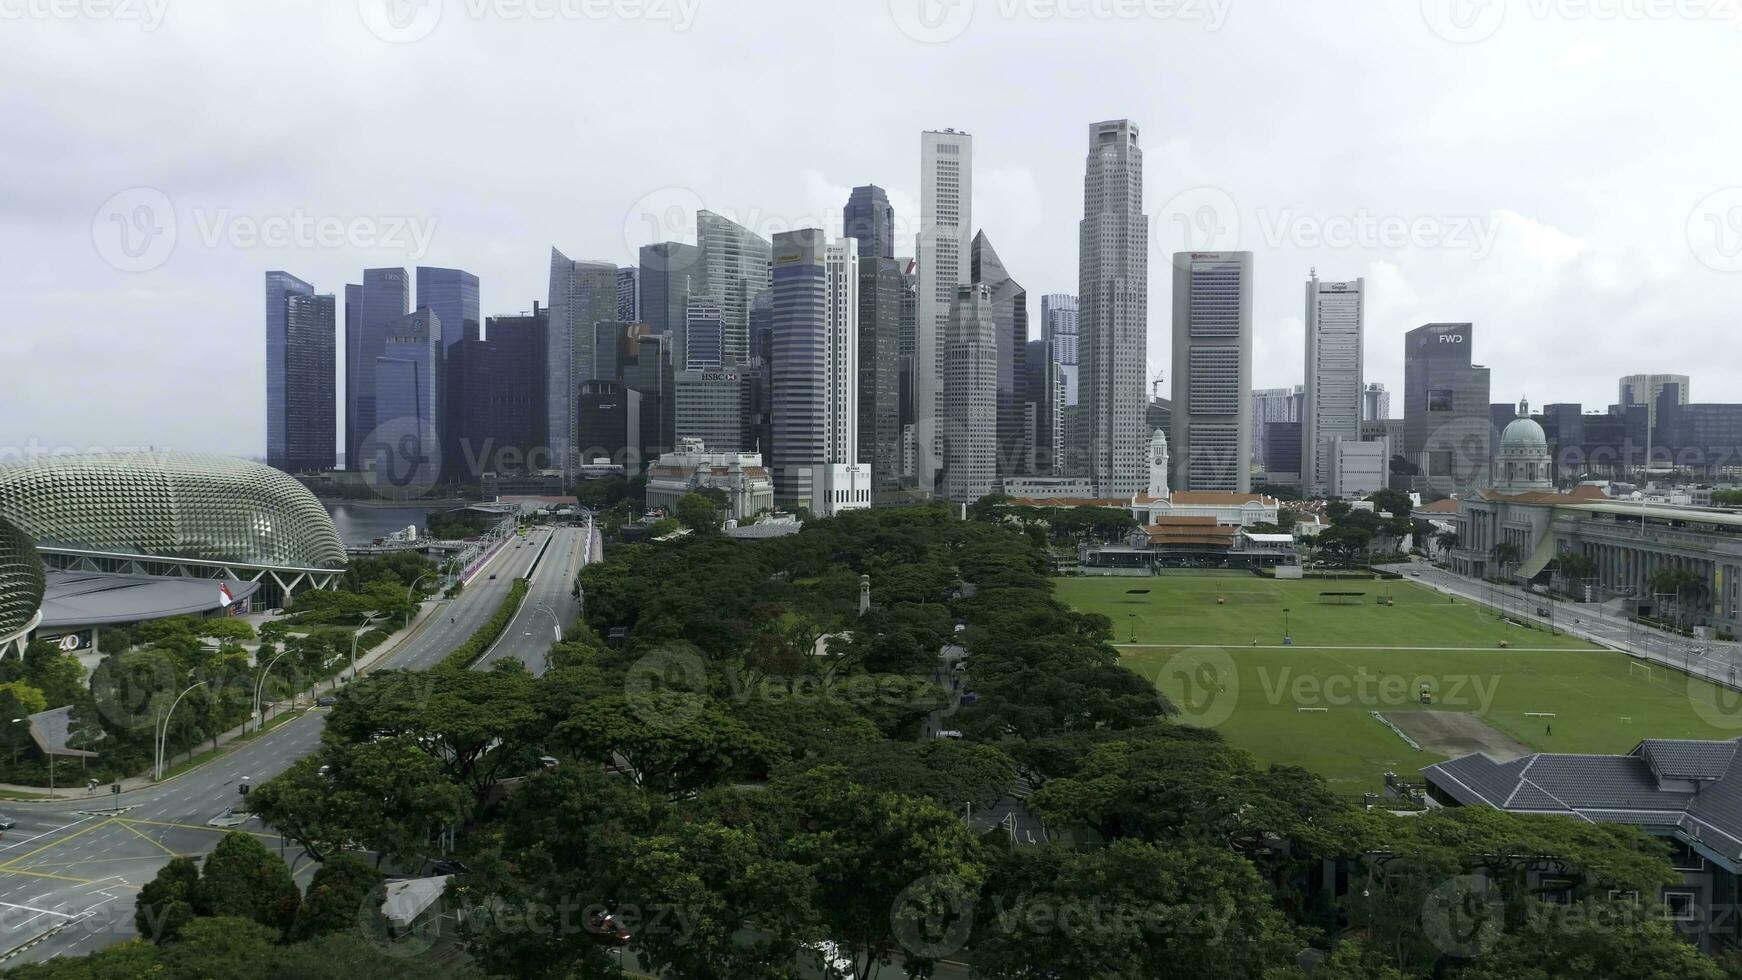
(836, 964)
(949, 733)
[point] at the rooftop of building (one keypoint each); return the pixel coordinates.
(1211, 498)
(1682, 785)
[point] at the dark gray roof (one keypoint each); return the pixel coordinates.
(1688, 759)
(1648, 788)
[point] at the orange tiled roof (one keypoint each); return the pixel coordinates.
(1220, 498)
(1446, 506)
(1182, 520)
(1068, 502)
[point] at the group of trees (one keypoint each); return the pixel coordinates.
(1353, 531)
(241, 915)
(743, 773)
(1058, 525)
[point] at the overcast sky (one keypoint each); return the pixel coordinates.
(1565, 174)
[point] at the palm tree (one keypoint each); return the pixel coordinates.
(1505, 553)
(1683, 585)
(1577, 566)
(1447, 540)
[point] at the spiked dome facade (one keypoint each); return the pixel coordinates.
(175, 514)
(22, 581)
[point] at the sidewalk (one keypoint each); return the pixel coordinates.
(365, 663)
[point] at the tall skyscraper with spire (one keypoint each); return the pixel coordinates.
(946, 186)
(1113, 310)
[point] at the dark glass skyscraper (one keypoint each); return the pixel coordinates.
(452, 295)
(496, 399)
(1010, 320)
(881, 295)
(1447, 429)
(629, 294)
(404, 451)
(300, 376)
(869, 218)
(645, 367)
(382, 300)
(671, 276)
(801, 360)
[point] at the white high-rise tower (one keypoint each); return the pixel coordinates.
(842, 262)
(1113, 311)
(1335, 319)
(946, 184)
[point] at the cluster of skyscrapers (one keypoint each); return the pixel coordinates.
(865, 377)
(869, 377)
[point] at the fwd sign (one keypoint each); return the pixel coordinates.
(1451, 338)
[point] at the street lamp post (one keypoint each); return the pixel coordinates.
(1285, 624)
(163, 734)
(260, 686)
(411, 594)
(16, 721)
(368, 621)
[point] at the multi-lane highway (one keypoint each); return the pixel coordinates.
(550, 603)
(71, 869)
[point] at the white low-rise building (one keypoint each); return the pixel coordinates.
(748, 486)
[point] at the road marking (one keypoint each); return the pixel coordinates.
(147, 837)
(32, 908)
(8, 866)
(191, 826)
(45, 833)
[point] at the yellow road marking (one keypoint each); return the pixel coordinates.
(146, 837)
(45, 874)
(70, 864)
(96, 826)
(191, 826)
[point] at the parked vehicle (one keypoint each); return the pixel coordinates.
(326, 701)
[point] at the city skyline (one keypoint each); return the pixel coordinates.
(1568, 224)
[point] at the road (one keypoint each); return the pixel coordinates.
(78, 864)
(550, 602)
(1721, 662)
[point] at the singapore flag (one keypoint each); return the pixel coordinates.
(224, 596)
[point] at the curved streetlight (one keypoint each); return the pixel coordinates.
(411, 595)
(163, 735)
(368, 621)
(260, 685)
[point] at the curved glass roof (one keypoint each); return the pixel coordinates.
(21, 580)
(179, 505)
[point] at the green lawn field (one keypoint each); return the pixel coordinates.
(1183, 611)
(1353, 660)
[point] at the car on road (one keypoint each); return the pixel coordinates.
(492, 576)
(7, 823)
(326, 701)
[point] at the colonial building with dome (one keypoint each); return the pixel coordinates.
(1522, 528)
